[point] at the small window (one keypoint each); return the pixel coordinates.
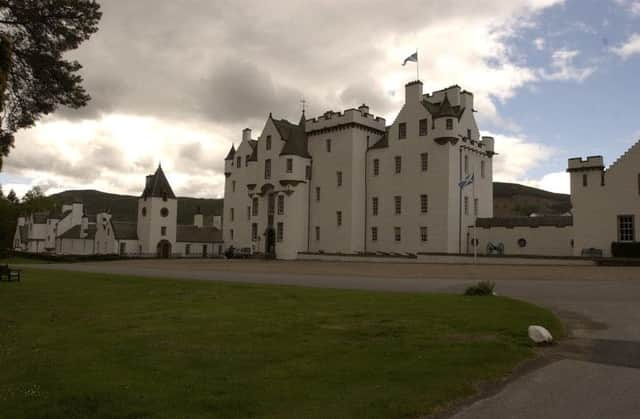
(376, 167)
(626, 228)
(187, 249)
(254, 232)
(469, 134)
(280, 232)
(475, 206)
(231, 234)
(424, 234)
(231, 213)
(163, 231)
(255, 207)
(248, 212)
(585, 180)
(397, 234)
(317, 233)
(602, 181)
(144, 211)
(307, 173)
(267, 169)
(233, 186)
(318, 194)
(398, 204)
(239, 162)
(280, 204)
(328, 143)
(466, 205)
(339, 176)
(339, 218)
(424, 127)
(268, 142)
(165, 197)
(246, 160)
(374, 205)
(398, 164)
(164, 212)
(424, 162)
(522, 242)
(482, 169)
(402, 130)
(449, 124)
(374, 234)
(289, 165)
(424, 203)
(466, 165)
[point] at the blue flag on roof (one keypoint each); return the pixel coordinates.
(413, 58)
(468, 180)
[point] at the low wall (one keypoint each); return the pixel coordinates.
(355, 258)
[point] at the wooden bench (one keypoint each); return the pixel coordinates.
(10, 274)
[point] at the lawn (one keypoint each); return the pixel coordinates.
(76, 345)
(16, 260)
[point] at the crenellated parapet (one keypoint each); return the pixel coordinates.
(350, 118)
(578, 164)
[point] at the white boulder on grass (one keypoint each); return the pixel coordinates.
(539, 334)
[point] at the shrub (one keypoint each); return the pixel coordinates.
(483, 288)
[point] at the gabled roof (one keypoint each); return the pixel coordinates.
(231, 154)
(74, 233)
(294, 136)
(443, 109)
(124, 230)
(158, 186)
(254, 152)
(194, 234)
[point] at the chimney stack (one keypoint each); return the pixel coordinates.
(246, 134)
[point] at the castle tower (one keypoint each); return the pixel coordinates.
(157, 216)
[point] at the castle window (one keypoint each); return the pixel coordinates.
(280, 204)
(449, 124)
(397, 233)
(424, 203)
(466, 165)
(280, 231)
(267, 169)
(164, 212)
(585, 180)
(232, 214)
(307, 173)
(268, 142)
(475, 207)
(233, 186)
(289, 165)
(144, 211)
(328, 142)
(317, 233)
(255, 207)
(339, 176)
(187, 249)
(164, 196)
(424, 235)
(402, 130)
(239, 162)
(466, 205)
(469, 134)
(248, 212)
(339, 218)
(163, 231)
(374, 234)
(602, 181)
(424, 161)
(626, 228)
(231, 234)
(254, 231)
(398, 164)
(374, 205)
(482, 169)
(376, 167)
(318, 194)
(398, 204)
(424, 127)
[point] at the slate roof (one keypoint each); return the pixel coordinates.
(193, 234)
(158, 186)
(544, 221)
(231, 154)
(124, 231)
(74, 233)
(254, 152)
(383, 142)
(294, 136)
(443, 109)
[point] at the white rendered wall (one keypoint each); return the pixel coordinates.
(540, 241)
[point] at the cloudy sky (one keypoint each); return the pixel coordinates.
(176, 81)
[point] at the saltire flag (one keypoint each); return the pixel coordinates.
(466, 181)
(413, 58)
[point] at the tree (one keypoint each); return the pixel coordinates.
(34, 77)
(35, 200)
(12, 197)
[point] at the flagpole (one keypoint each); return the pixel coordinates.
(417, 65)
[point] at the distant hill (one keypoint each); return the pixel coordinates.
(125, 207)
(512, 199)
(509, 199)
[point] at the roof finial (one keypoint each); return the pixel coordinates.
(304, 102)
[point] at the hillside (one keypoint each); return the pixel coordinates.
(125, 207)
(512, 199)
(509, 199)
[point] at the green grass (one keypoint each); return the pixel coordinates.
(15, 260)
(75, 345)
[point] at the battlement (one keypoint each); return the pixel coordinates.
(591, 163)
(332, 119)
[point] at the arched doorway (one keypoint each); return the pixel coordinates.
(164, 249)
(270, 243)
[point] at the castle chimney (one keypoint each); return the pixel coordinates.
(413, 92)
(246, 134)
(364, 109)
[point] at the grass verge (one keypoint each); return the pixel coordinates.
(78, 345)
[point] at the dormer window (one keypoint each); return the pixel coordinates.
(268, 142)
(449, 124)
